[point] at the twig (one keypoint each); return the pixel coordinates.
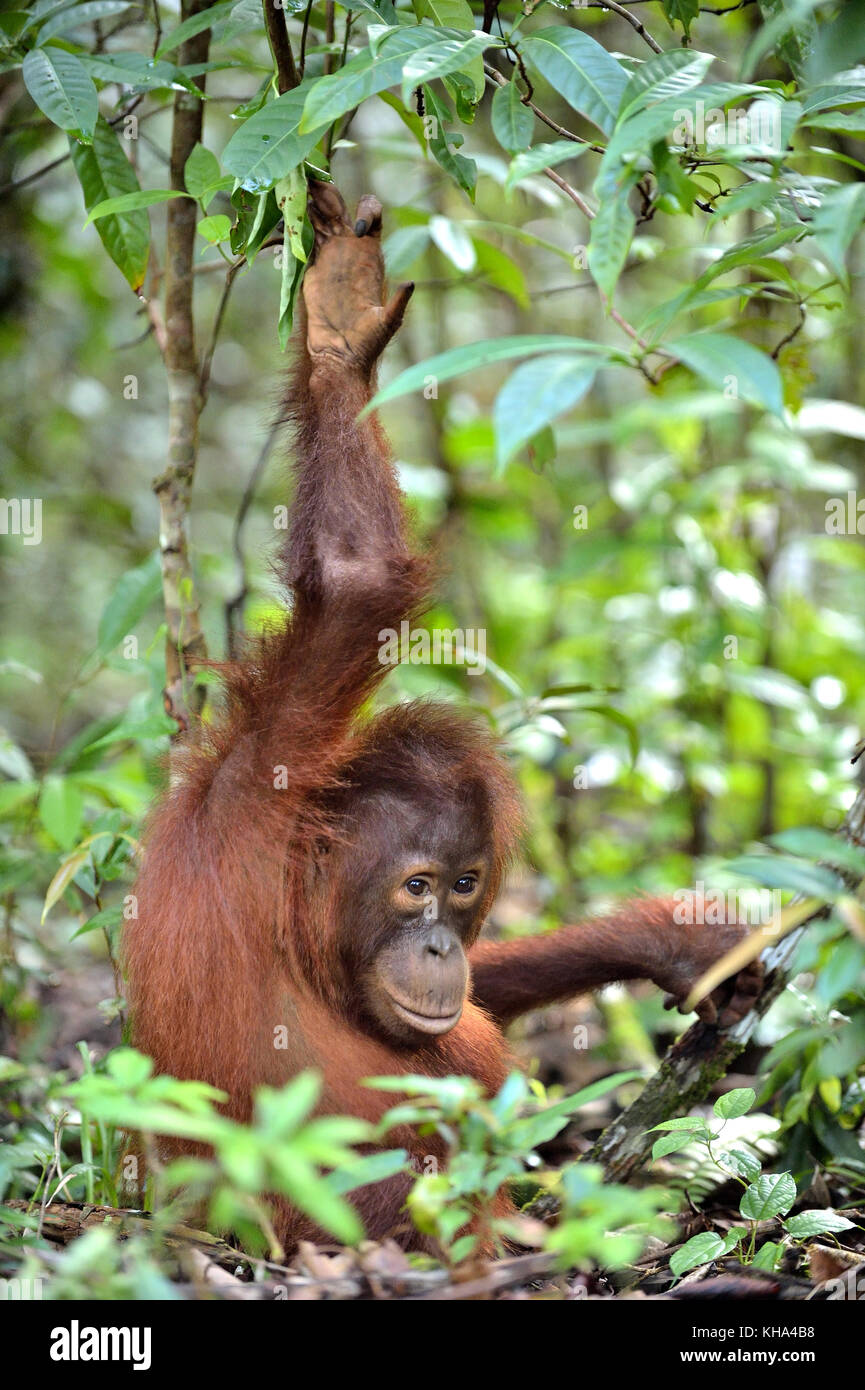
(280, 46)
(204, 377)
(634, 22)
(55, 163)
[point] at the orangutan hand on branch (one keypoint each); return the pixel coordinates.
(344, 284)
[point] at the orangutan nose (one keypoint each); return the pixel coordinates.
(440, 942)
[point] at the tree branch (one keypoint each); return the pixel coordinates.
(704, 1053)
(280, 46)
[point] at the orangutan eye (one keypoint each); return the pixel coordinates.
(467, 884)
(418, 887)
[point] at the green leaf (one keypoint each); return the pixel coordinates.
(215, 229)
(735, 1103)
(62, 879)
(684, 1122)
(136, 70)
(269, 145)
(816, 1222)
(61, 808)
(458, 360)
(196, 24)
(442, 143)
(812, 843)
(298, 239)
(663, 75)
(460, 54)
(745, 1164)
(836, 222)
(107, 920)
(133, 594)
(685, 11)
(732, 365)
(609, 242)
(768, 1256)
(104, 172)
(382, 64)
(534, 395)
(773, 1194)
(777, 871)
(132, 202)
(367, 1168)
(200, 172)
(699, 1250)
(68, 20)
(513, 121)
(671, 1143)
(541, 157)
(61, 87)
(580, 70)
(453, 241)
(454, 14)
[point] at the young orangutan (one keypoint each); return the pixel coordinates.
(324, 877)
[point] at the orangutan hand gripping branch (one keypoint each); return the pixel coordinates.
(327, 880)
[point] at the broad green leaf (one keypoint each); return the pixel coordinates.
(746, 1164)
(663, 75)
(513, 121)
(63, 877)
(371, 71)
(685, 11)
(298, 237)
(817, 1222)
(610, 240)
(735, 1103)
(215, 229)
(734, 367)
(104, 172)
(699, 1250)
(133, 595)
(367, 1168)
(580, 70)
(402, 248)
(196, 24)
(68, 20)
(815, 844)
(446, 55)
(541, 157)
(768, 1256)
(453, 241)
(499, 270)
(455, 14)
(107, 920)
(61, 808)
(443, 146)
(671, 1143)
(773, 1194)
(269, 144)
(62, 88)
(136, 70)
(836, 222)
(458, 360)
(777, 871)
(132, 202)
(200, 172)
(537, 393)
(670, 119)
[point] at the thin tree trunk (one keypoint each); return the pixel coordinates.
(184, 641)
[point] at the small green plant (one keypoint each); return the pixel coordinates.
(492, 1142)
(765, 1195)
